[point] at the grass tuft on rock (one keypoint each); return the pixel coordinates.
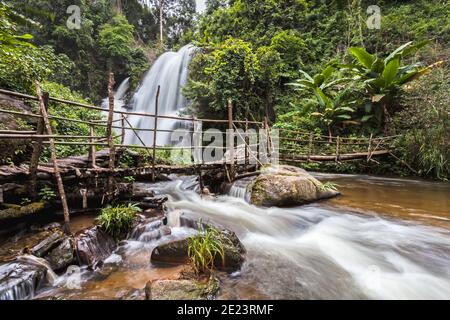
(205, 248)
(118, 220)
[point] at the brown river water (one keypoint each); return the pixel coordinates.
(382, 239)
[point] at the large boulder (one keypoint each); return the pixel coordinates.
(181, 289)
(176, 252)
(283, 186)
(63, 255)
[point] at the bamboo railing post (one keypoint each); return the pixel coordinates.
(92, 149)
(155, 133)
(109, 131)
(109, 135)
(247, 142)
(310, 146)
(59, 181)
(338, 146)
(231, 140)
(369, 149)
(266, 129)
(37, 150)
(122, 140)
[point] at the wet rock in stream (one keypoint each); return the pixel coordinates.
(130, 294)
(182, 289)
(94, 246)
(176, 252)
(63, 255)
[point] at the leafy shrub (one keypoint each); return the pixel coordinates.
(47, 194)
(424, 125)
(117, 221)
(204, 248)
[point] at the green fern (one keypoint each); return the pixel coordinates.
(117, 221)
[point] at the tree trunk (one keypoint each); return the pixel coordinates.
(161, 11)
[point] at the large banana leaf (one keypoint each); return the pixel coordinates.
(322, 98)
(397, 52)
(390, 71)
(412, 49)
(328, 72)
(363, 57)
(413, 75)
(377, 66)
(302, 83)
(335, 82)
(319, 80)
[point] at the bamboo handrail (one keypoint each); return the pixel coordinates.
(42, 136)
(143, 114)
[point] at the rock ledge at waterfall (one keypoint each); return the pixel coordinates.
(284, 186)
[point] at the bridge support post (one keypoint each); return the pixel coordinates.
(37, 150)
(338, 147)
(247, 142)
(109, 135)
(155, 133)
(59, 181)
(122, 139)
(92, 156)
(231, 140)
(310, 146)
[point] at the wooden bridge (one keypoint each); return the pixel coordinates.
(288, 145)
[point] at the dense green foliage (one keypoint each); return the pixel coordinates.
(117, 221)
(317, 66)
(121, 35)
(311, 65)
(424, 125)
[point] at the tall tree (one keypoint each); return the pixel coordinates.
(173, 16)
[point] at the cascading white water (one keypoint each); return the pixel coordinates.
(25, 275)
(240, 189)
(320, 252)
(170, 72)
(120, 95)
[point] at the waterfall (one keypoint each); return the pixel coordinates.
(120, 95)
(24, 276)
(240, 189)
(170, 72)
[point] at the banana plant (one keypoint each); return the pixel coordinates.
(332, 107)
(383, 77)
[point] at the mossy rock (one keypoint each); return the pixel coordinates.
(12, 211)
(182, 289)
(284, 186)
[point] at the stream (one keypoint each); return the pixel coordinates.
(382, 239)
